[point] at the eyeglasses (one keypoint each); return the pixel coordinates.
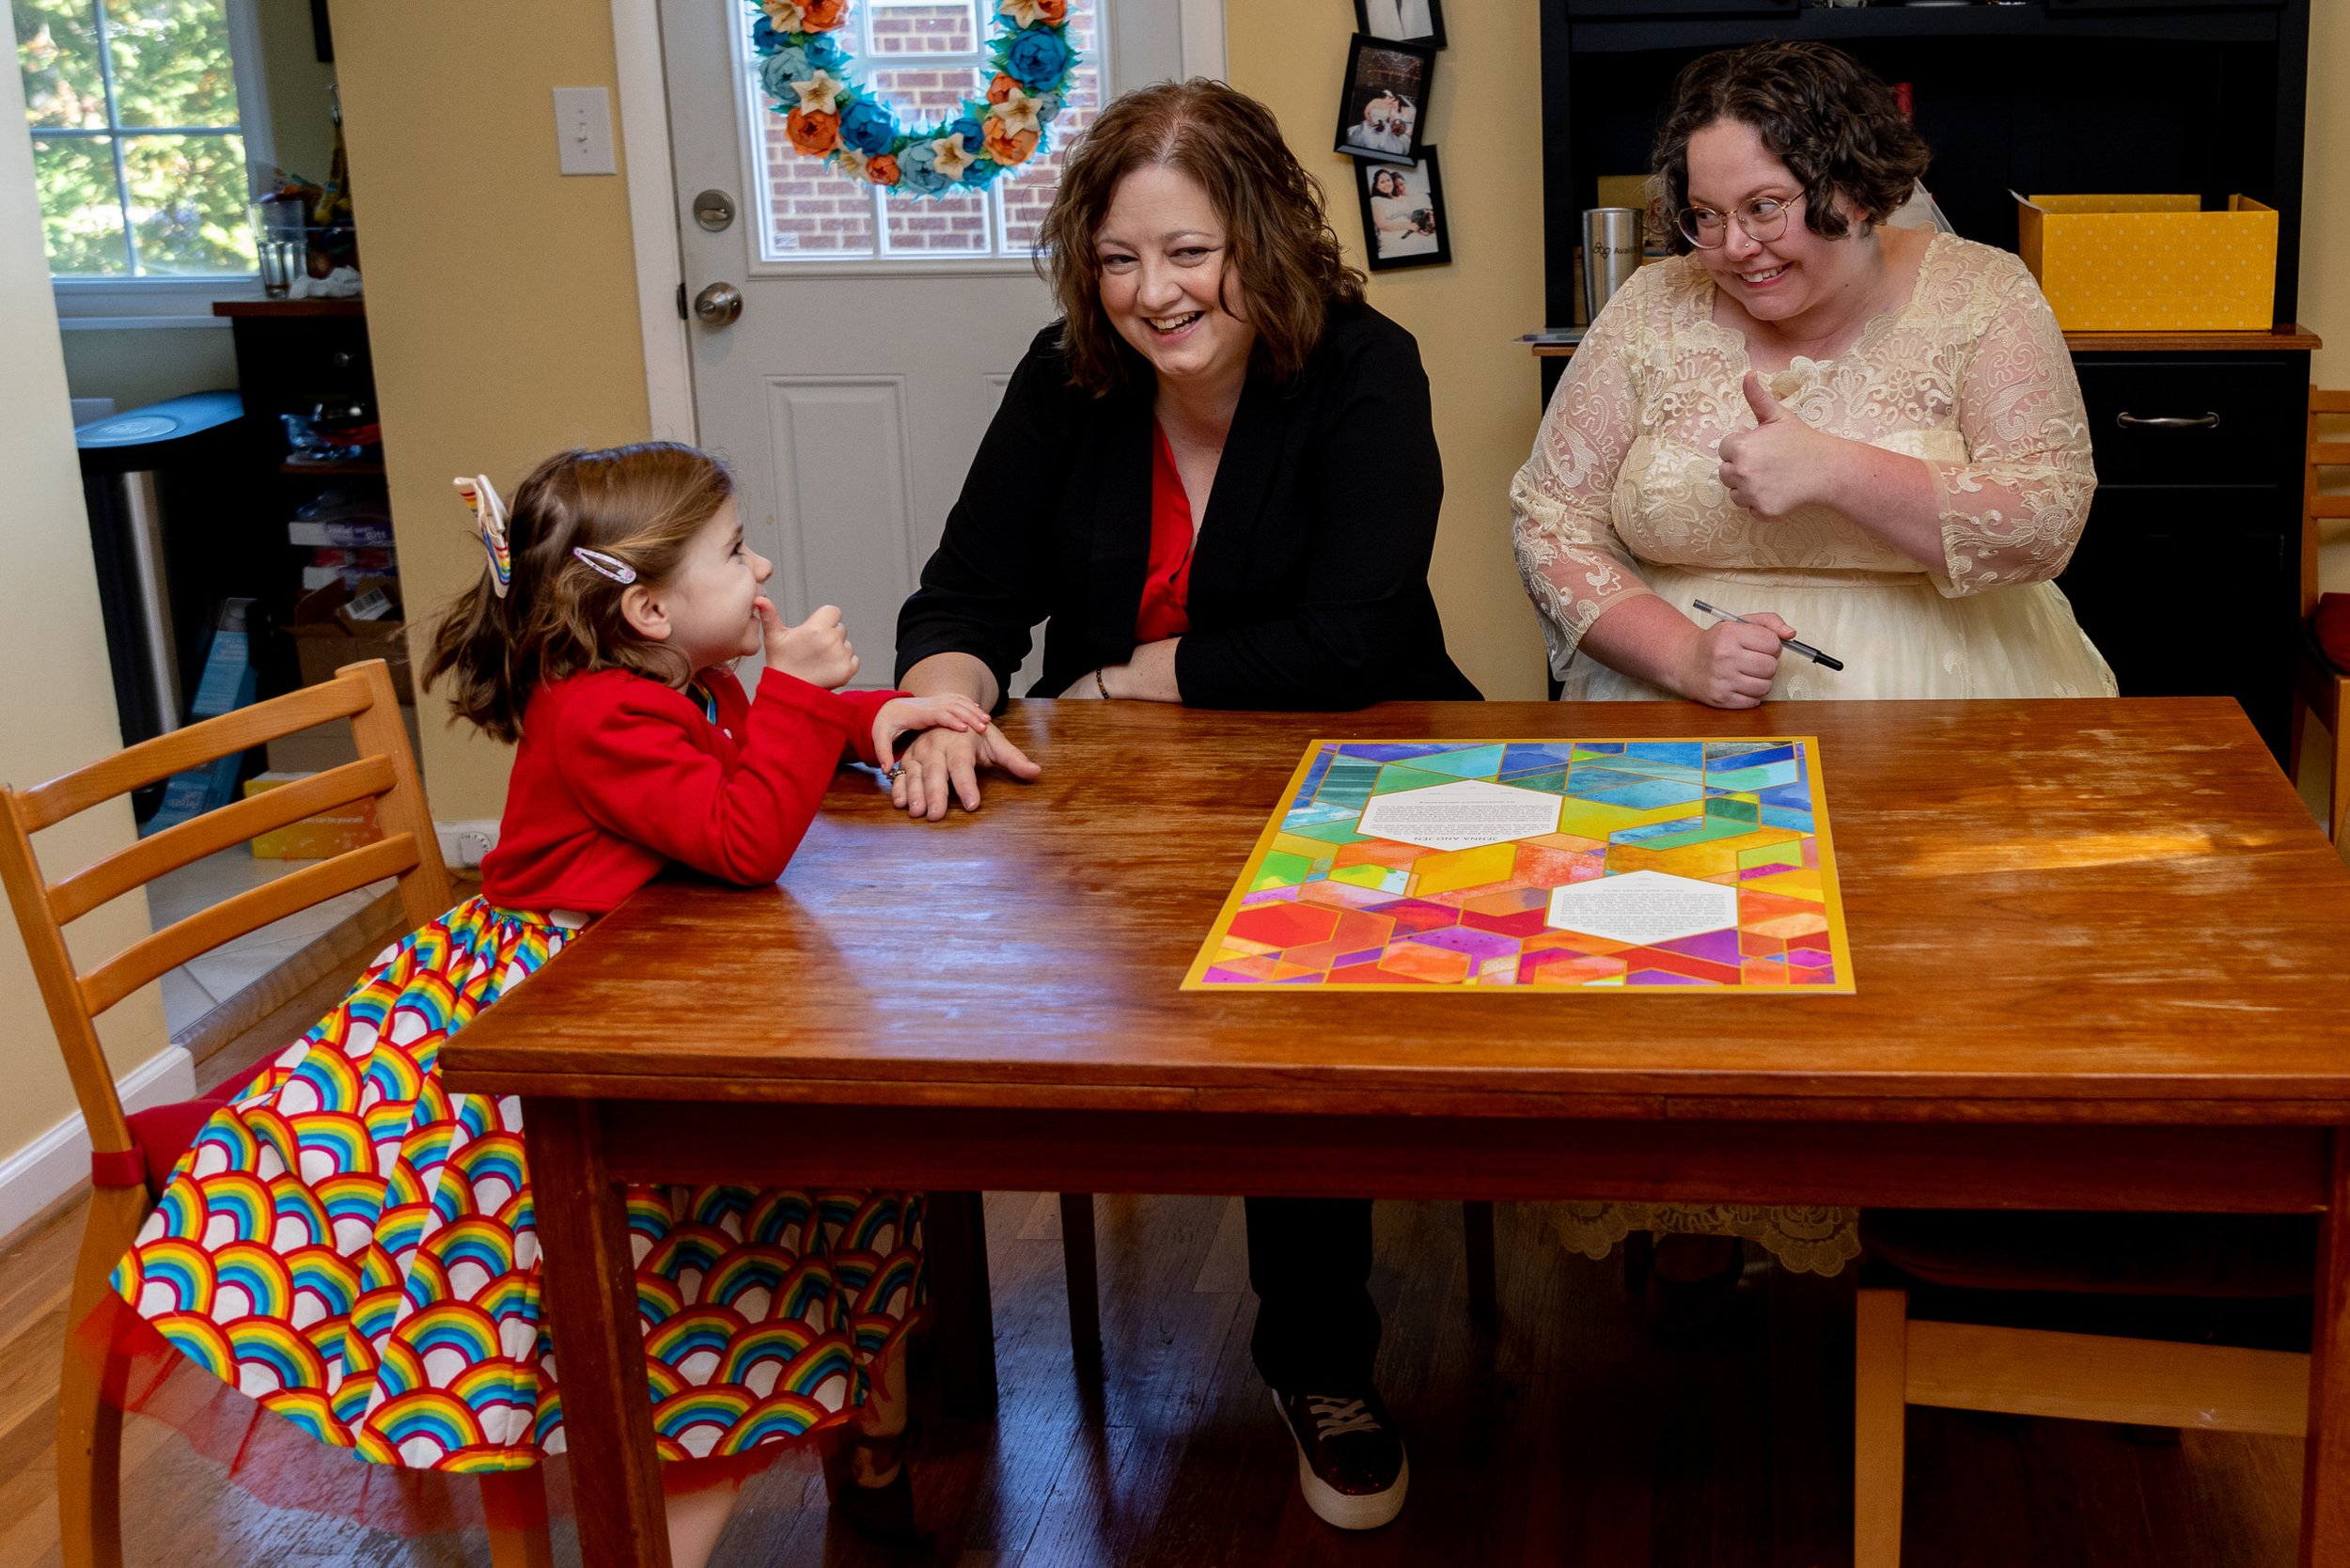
(1765, 219)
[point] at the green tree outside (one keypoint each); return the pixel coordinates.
(186, 194)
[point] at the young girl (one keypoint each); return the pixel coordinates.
(352, 1245)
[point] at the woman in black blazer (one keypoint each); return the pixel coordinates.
(1214, 346)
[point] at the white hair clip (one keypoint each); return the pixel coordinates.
(489, 516)
(610, 566)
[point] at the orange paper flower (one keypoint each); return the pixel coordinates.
(1006, 146)
(881, 169)
(812, 134)
(822, 16)
(1000, 88)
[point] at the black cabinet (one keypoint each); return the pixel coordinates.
(2187, 577)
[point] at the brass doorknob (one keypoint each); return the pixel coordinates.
(719, 303)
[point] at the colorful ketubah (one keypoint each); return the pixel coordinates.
(1541, 866)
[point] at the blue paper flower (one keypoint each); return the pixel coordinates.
(778, 70)
(980, 172)
(1037, 57)
(918, 170)
(826, 54)
(764, 37)
(867, 127)
(1047, 106)
(974, 134)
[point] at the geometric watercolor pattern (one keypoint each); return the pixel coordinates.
(1326, 900)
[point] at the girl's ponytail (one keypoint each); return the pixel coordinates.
(474, 645)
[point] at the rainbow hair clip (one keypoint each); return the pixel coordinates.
(610, 566)
(489, 515)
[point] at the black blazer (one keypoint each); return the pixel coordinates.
(1309, 581)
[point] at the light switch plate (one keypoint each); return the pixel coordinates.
(583, 131)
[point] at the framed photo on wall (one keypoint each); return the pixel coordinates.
(1409, 21)
(1382, 110)
(1403, 220)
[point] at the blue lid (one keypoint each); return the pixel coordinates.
(165, 422)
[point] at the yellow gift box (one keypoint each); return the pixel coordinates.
(2152, 263)
(331, 832)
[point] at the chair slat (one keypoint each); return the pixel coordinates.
(2329, 505)
(159, 759)
(191, 841)
(2327, 454)
(249, 911)
(2323, 402)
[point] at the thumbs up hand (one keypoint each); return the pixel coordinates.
(1777, 466)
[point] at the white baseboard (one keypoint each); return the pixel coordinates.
(45, 1169)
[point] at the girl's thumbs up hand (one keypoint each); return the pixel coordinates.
(1777, 466)
(817, 649)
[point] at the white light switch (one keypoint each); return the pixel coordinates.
(583, 130)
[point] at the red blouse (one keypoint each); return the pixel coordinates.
(1166, 583)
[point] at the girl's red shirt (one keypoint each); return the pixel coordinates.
(618, 775)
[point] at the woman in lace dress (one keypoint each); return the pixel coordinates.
(1864, 436)
(1871, 435)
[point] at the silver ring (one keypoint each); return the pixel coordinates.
(894, 774)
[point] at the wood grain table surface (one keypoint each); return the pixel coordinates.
(2118, 903)
(2101, 955)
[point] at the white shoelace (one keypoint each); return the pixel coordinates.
(1335, 1418)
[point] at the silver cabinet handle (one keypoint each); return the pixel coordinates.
(2167, 421)
(719, 303)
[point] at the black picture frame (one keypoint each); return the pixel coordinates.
(1389, 255)
(1384, 70)
(323, 31)
(1368, 24)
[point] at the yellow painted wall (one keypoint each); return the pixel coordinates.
(501, 295)
(59, 711)
(1487, 102)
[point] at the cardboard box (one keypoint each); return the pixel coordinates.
(345, 827)
(327, 637)
(2152, 263)
(329, 746)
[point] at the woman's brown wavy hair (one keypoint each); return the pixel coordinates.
(641, 505)
(1830, 120)
(1279, 241)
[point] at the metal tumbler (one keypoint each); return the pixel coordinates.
(1611, 254)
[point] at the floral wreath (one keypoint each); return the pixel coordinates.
(830, 115)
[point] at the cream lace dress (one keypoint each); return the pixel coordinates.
(1622, 497)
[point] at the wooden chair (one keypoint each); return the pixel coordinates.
(2180, 1320)
(125, 1173)
(2320, 686)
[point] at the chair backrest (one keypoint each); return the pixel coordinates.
(2316, 505)
(384, 772)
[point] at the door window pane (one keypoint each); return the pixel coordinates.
(937, 226)
(81, 214)
(813, 210)
(925, 59)
(171, 62)
(57, 49)
(925, 27)
(187, 199)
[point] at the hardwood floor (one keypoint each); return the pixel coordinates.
(1569, 1437)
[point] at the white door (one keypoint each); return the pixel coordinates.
(877, 331)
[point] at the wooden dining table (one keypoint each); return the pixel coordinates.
(2101, 954)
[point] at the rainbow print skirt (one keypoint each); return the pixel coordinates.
(351, 1246)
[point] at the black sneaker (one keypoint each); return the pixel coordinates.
(1350, 1458)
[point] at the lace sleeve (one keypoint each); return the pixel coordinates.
(2013, 510)
(1569, 555)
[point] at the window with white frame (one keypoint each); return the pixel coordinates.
(924, 57)
(138, 149)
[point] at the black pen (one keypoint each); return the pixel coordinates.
(1791, 645)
